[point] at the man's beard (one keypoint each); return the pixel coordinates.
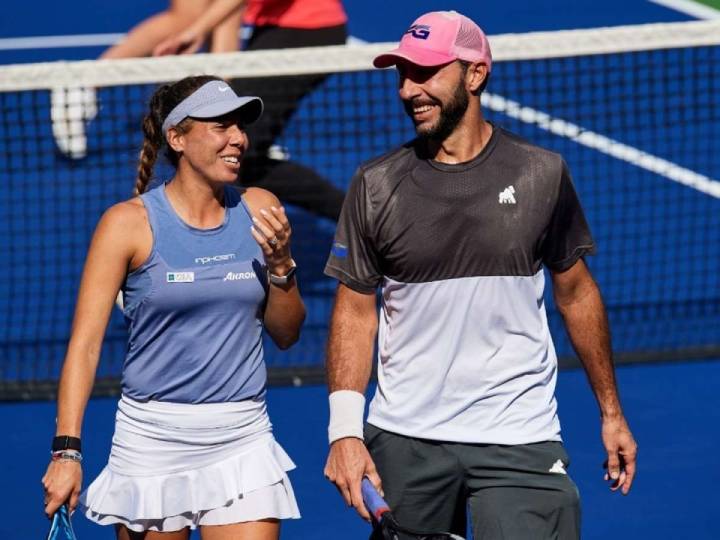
(450, 115)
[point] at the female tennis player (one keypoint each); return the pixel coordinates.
(203, 268)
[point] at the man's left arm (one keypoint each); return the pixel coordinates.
(578, 299)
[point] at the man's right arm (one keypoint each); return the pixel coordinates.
(353, 329)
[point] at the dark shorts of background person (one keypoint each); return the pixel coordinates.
(510, 491)
(290, 181)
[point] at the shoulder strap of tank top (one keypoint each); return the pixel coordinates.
(151, 199)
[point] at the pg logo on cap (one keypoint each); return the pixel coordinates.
(419, 31)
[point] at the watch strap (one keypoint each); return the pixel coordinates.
(66, 442)
(283, 280)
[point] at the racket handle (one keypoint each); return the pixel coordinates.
(61, 526)
(375, 504)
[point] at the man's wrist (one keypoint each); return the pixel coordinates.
(347, 411)
(610, 409)
(611, 416)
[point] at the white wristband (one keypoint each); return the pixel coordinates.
(347, 409)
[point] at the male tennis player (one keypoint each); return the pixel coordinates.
(456, 227)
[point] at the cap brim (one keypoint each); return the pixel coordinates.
(420, 57)
(250, 109)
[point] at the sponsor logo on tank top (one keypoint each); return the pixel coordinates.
(215, 258)
(180, 277)
(236, 276)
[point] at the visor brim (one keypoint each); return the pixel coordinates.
(250, 109)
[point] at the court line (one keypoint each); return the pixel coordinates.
(689, 7)
(611, 147)
(59, 42)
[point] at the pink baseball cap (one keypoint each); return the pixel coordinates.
(438, 38)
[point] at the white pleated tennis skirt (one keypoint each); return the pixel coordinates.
(177, 465)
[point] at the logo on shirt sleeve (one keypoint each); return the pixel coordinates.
(339, 250)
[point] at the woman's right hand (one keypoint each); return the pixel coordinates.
(61, 483)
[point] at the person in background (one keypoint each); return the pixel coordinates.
(275, 24)
(72, 108)
(456, 227)
(204, 269)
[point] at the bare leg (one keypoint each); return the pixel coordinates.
(265, 529)
(123, 533)
(142, 39)
(226, 35)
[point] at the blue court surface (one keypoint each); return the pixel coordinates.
(672, 408)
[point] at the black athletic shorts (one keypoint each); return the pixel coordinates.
(518, 492)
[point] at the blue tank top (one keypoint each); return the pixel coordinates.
(194, 309)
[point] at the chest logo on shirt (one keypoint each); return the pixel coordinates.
(507, 196)
(180, 277)
(235, 276)
(215, 258)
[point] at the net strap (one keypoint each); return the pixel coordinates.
(347, 58)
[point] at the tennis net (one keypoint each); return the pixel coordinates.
(634, 110)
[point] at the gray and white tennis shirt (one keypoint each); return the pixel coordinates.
(464, 349)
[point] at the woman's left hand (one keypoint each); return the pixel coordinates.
(272, 232)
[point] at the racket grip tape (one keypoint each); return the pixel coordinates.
(375, 504)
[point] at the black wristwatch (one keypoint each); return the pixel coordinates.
(283, 280)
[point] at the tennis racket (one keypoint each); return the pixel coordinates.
(385, 523)
(61, 526)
